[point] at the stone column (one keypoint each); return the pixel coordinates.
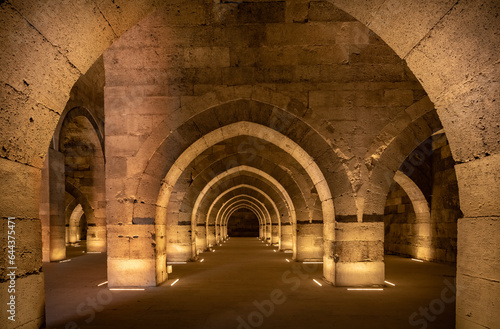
(359, 251)
(286, 236)
(56, 182)
(478, 259)
(20, 199)
(309, 241)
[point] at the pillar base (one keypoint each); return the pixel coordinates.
(359, 274)
(131, 273)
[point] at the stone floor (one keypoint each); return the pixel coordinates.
(245, 284)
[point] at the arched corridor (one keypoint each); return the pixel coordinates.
(244, 284)
(355, 132)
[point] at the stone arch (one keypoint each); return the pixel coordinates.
(74, 224)
(423, 33)
(416, 196)
(71, 114)
(232, 110)
(383, 167)
(235, 209)
(422, 212)
(242, 203)
(250, 187)
(237, 170)
(266, 133)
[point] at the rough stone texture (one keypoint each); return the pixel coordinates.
(478, 186)
(30, 298)
(451, 48)
(478, 270)
(23, 187)
(430, 236)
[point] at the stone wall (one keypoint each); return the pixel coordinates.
(307, 70)
(434, 237)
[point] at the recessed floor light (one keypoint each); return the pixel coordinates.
(319, 284)
(201, 261)
(367, 289)
(102, 284)
(176, 263)
(312, 262)
(174, 282)
(287, 260)
(417, 260)
(126, 289)
(390, 283)
(65, 261)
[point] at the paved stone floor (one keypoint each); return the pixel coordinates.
(245, 284)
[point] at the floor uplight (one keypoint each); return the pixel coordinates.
(126, 289)
(367, 289)
(174, 282)
(390, 283)
(287, 260)
(417, 260)
(65, 261)
(319, 284)
(102, 284)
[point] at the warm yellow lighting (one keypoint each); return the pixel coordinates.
(368, 289)
(102, 284)
(213, 250)
(390, 283)
(65, 261)
(417, 260)
(312, 262)
(176, 263)
(174, 282)
(319, 284)
(93, 252)
(274, 250)
(126, 289)
(287, 260)
(201, 261)
(288, 251)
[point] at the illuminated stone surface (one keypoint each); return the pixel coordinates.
(136, 106)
